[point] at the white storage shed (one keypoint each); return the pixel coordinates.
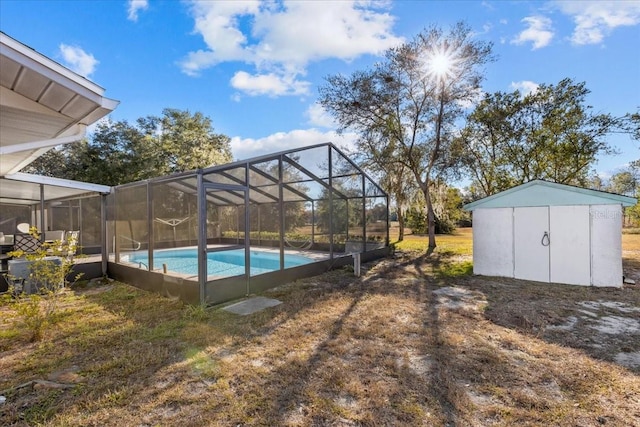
(549, 232)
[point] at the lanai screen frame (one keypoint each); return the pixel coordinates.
(268, 180)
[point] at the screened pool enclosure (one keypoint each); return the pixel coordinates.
(227, 231)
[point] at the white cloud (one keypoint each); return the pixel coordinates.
(196, 61)
(280, 39)
(539, 32)
(486, 29)
(596, 19)
(268, 84)
(134, 7)
(78, 60)
(244, 148)
(605, 175)
(318, 116)
(525, 87)
(487, 5)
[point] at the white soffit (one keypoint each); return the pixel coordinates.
(40, 102)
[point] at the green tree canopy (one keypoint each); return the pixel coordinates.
(632, 124)
(624, 182)
(118, 152)
(183, 141)
(549, 134)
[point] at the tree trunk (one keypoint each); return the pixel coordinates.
(431, 218)
(400, 225)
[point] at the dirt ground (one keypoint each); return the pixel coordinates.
(417, 340)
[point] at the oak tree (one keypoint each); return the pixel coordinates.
(549, 134)
(405, 108)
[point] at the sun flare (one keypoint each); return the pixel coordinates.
(440, 64)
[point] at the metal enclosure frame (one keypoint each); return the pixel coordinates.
(312, 199)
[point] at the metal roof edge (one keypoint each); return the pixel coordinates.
(624, 200)
(58, 182)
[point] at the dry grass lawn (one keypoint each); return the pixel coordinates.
(417, 340)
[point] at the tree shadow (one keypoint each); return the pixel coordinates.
(388, 356)
(417, 378)
(604, 323)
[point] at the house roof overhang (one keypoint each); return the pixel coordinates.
(42, 105)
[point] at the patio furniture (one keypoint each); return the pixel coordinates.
(23, 227)
(54, 235)
(69, 238)
(26, 243)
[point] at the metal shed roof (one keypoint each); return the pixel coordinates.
(544, 193)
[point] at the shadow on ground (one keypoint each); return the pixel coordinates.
(414, 341)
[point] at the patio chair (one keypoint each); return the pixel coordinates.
(57, 241)
(54, 236)
(26, 243)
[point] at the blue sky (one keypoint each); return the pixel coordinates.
(254, 67)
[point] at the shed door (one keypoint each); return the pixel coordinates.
(570, 248)
(531, 249)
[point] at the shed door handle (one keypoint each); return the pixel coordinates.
(546, 241)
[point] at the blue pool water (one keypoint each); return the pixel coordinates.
(224, 263)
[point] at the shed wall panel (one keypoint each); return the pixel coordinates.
(493, 242)
(569, 245)
(606, 245)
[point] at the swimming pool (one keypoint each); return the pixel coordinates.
(223, 263)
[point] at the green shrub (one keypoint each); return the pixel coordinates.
(38, 310)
